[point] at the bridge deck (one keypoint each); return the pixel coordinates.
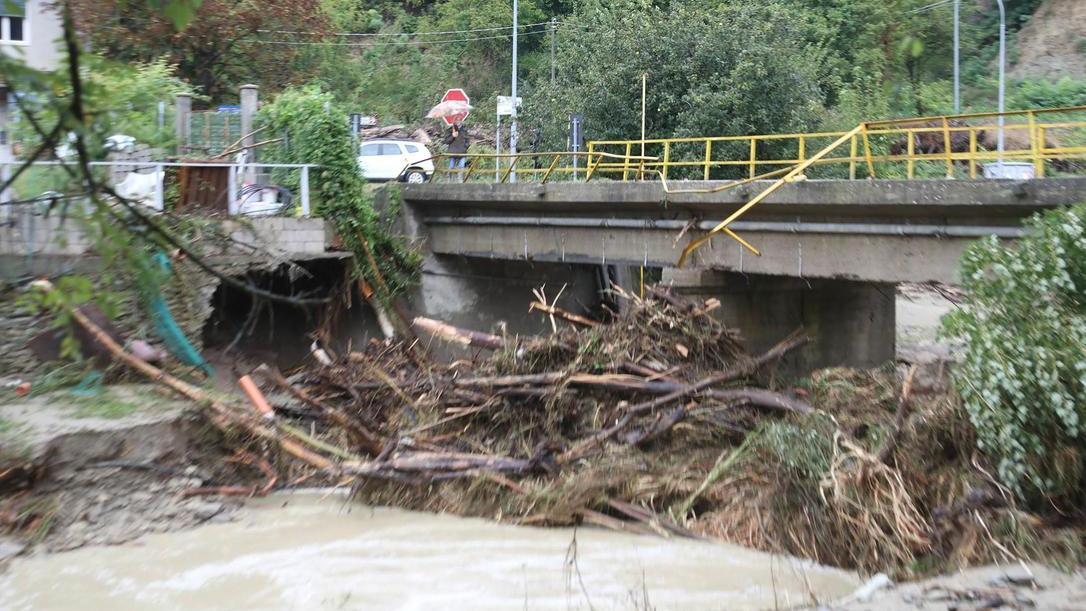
(881, 231)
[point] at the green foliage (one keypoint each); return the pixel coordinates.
(729, 68)
(1023, 378)
(120, 98)
(317, 131)
(1041, 93)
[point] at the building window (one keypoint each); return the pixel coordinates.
(13, 21)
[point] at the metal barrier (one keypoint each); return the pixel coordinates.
(240, 190)
(531, 167)
(956, 144)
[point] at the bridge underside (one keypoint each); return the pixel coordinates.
(831, 251)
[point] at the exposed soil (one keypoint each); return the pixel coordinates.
(105, 469)
(1053, 43)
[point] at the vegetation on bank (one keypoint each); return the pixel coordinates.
(316, 130)
(1023, 376)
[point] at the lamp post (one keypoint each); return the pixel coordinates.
(957, 58)
(1002, 75)
(513, 114)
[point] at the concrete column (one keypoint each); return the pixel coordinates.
(5, 151)
(249, 104)
(852, 324)
(182, 125)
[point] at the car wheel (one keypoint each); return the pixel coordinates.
(415, 177)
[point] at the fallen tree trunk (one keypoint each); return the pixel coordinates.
(456, 335)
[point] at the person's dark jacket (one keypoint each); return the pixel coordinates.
(458, 144)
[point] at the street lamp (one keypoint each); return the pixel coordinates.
(1002, 74)
(513, 113)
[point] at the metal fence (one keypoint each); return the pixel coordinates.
(248, 189)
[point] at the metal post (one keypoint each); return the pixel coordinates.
(160, 177)
(232, 189)
(498, 148)
(304, 188)
(5, 152)
(644, 95)
(513, 124)
(957, 58)
(182, 126)
(249, 102)
(1002, 75)
(554, 45)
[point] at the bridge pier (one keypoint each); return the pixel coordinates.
(851, 323)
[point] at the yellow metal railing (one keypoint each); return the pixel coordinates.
(932, 146)
(938, 145)
(529, 167)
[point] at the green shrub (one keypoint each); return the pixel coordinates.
(1023, 378)
(316, 130)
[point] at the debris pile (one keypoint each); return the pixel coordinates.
(655, 421)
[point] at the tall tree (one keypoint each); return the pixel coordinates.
(219, 50)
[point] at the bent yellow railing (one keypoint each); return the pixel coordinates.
(954, 143)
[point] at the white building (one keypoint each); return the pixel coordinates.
(30, 32)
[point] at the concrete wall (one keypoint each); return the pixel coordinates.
(29, 232)
(850, 323)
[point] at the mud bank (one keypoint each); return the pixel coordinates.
(105, 469)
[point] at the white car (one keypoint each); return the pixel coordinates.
(387, 159)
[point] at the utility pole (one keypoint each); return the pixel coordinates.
(513, 114)
(1002, 74)
(957, 58)
(554, 44)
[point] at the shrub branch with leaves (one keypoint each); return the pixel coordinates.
(1023, 379)
(316, 130)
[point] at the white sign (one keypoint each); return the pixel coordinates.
(505, 105)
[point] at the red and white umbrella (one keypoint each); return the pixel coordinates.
(449, 108)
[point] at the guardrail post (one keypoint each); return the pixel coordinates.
(802, 149)
(626, 166)
(1036, 145)
(708, 156)
(667, 158)
(853, 150)
(867, 153)
(948, 148)
(304, 187)
(753, 157)
(910, 151)
(972, 152)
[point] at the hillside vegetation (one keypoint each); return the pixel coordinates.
(713, 67)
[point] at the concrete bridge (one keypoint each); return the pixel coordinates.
(832, 251)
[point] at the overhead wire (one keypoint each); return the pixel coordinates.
(391, 34)
(400, 43)
(931, 7)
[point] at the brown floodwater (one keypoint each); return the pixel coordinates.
(313, 552)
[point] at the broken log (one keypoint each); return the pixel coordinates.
(565, 315)
(456, 335)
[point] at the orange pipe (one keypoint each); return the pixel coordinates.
(256, 397)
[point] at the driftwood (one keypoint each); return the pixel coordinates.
(456, 335)
(887, 449)
(563, 314)
(789, 344)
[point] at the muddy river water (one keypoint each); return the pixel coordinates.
(309, 552)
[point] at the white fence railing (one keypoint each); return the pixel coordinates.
(245, 193)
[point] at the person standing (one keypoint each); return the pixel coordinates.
(458, 144)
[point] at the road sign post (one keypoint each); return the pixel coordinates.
(456, 95)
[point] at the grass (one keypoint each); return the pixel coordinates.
(106, 405)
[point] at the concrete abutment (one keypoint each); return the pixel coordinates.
(851, 323)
